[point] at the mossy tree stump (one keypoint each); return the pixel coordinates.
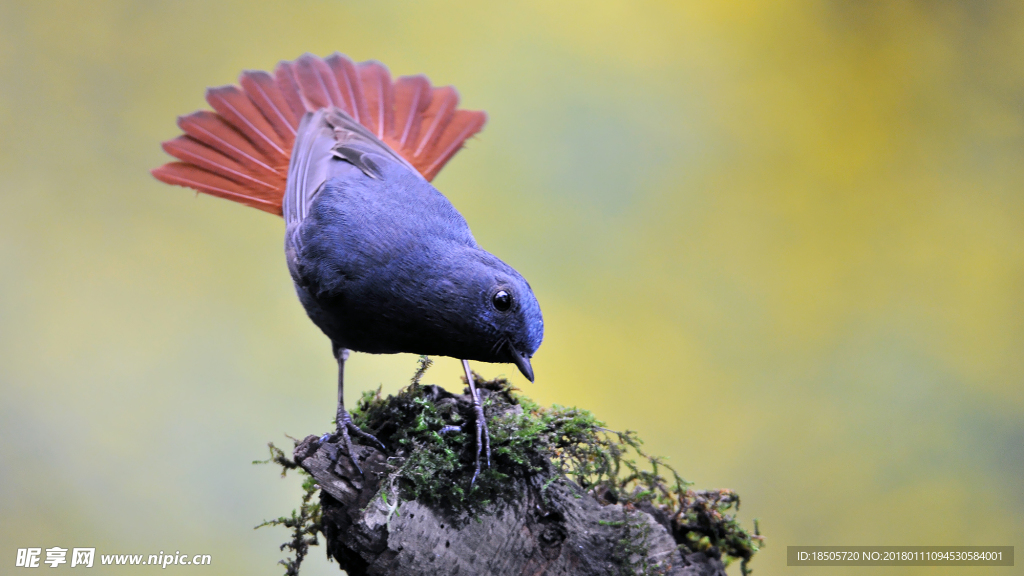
(561, 496)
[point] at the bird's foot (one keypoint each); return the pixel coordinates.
(483, 440)
(483, 437)
(346, 425)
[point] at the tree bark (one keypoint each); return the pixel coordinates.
(552, 530)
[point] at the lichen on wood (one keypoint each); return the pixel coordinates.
(562, 494)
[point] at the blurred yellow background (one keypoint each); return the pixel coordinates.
(784, 241)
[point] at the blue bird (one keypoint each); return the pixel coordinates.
(381, 261)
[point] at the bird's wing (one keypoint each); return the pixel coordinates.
(327, 144)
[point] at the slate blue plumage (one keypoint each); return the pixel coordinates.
(384, 263)
(381, 261)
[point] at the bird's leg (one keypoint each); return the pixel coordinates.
(481, 423)
(344, 420)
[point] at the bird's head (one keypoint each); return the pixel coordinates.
(506, 319)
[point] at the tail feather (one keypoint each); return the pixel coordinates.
(437, 116)
(464, 124)
(241, 151)
(380, 114)
(319, 87)
(233, 104)
(412, 97)
(199, 155)
(189, 175)
(264, 92)
(347, 76)
(290, 91)
(217, 133)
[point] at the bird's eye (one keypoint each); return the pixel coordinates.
(502, 300)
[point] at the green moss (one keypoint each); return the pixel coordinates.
(557, 443)
(305, 522)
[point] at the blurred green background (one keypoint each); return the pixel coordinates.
(781, 240)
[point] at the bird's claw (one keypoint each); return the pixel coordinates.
(346, 425)
(351, 427)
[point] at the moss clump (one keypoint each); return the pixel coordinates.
(429, 436)
(703, 524)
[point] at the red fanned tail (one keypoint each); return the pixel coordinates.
(240, 152)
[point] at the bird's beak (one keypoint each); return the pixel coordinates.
(523, 362)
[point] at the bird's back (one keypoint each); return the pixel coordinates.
(371, 195)
(367, 236)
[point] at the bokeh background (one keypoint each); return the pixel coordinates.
(781, 240)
